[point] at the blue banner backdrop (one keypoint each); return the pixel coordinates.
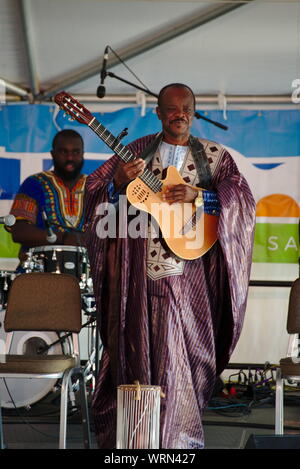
(265, 144)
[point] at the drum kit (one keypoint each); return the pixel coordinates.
(138, 406)
(57, 259)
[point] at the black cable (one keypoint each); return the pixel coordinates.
(125, 65)
(24, 421)
(245, 425)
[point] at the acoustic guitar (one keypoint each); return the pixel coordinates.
(188, 232)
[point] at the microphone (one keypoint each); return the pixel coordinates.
(8, 220)
(51, 236)
(101, 88)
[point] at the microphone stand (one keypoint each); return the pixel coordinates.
(110, 74)
(197, 115)
(217, 124)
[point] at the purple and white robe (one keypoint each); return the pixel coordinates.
(178, 331)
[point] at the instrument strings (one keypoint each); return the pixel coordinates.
(125, 154)
(139, 419)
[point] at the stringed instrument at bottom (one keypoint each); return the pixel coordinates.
(187, 230)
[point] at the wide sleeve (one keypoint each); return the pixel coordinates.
(235, 234)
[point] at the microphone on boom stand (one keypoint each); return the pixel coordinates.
(103, 73)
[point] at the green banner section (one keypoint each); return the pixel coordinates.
(7, 247)
(276, 242)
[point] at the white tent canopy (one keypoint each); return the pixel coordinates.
(248, 51)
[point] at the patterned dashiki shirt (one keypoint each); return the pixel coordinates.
(47, 192)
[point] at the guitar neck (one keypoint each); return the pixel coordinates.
(124, 153)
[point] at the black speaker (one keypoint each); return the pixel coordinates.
(273, 442)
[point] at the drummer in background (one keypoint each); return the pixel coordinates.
(54, 198)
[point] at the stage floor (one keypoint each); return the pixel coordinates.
(228, 423)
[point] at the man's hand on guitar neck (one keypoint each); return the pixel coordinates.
(126, 172)
(179, 193)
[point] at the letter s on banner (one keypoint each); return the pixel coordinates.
(272, 240)
(296, 92)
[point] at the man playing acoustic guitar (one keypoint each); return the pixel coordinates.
(164, 319)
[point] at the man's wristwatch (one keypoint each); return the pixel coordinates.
(199, 202)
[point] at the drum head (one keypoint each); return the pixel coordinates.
(22, 392)
(58, 248)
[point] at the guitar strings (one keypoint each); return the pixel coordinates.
(147, 177)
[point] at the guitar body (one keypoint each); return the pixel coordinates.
(188, 232)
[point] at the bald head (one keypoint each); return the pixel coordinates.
(176, 110)
(178, 86)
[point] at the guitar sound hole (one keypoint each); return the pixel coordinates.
(141, 194)
(136, 190)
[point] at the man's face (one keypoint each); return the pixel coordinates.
(68, 157)
(176, 113)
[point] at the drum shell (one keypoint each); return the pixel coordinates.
(22, 392)
(71, 260)
(6, 278)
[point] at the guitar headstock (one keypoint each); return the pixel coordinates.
(73, 107)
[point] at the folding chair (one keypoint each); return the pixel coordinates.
(47, 302)
(289, 367)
